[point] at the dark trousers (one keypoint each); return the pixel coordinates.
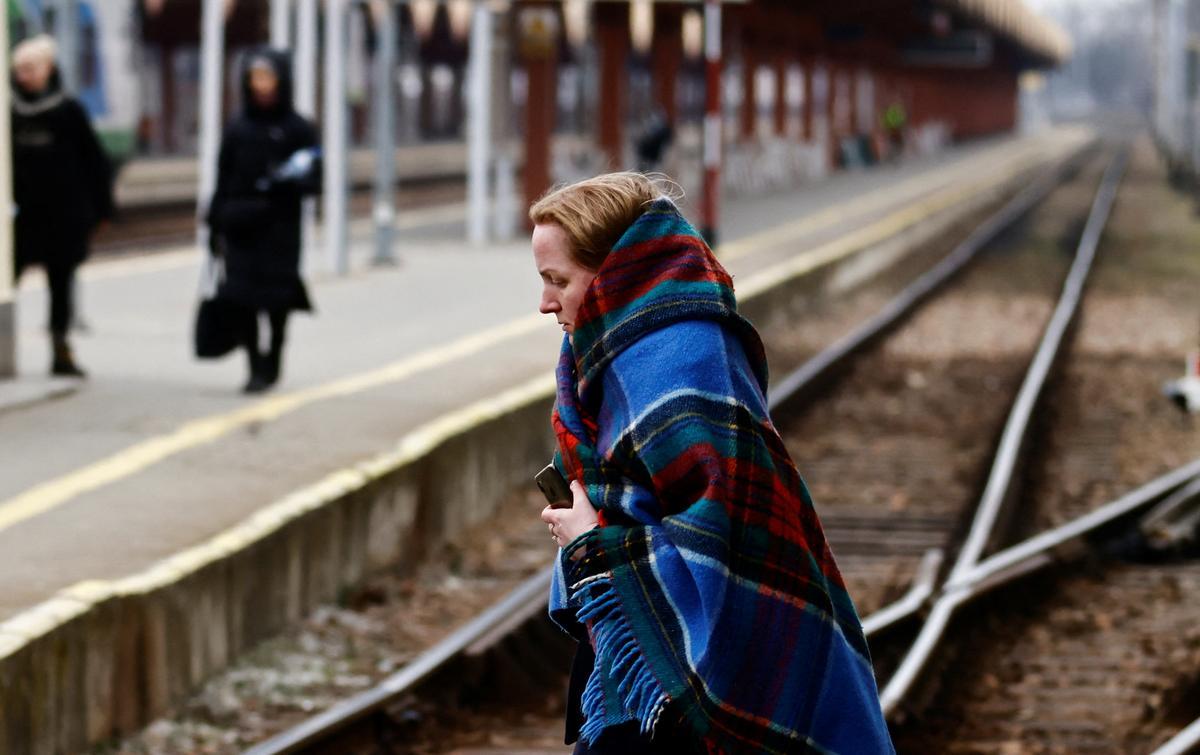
(60, 280)
(265, 364)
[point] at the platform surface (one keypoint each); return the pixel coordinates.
(157, 452)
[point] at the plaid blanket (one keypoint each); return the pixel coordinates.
(708, 592)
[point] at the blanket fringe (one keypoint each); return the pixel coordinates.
(616, 650)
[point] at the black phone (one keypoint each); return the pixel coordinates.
(554, 487)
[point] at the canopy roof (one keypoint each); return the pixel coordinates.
(1015, 20)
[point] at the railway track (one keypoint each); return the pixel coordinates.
(907, 556)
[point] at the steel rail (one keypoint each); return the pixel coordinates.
(922, 589)
(1060, 538)
(1012, 439)
(836, 354)
(1182, 743)
(338, 717)
(499, 616)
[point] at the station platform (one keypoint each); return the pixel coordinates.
(159, 455)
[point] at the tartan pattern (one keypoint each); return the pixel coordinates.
(709, 592)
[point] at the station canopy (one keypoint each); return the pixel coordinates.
(1015, 20)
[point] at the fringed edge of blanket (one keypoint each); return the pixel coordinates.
(616, 646)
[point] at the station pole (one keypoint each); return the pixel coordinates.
(281, 24)
(8, 308)
(304, 67)
(335, 140)
(385, 133)
(212, 41)
(710, 209)
(479, 126)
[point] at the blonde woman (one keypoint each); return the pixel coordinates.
(62, 185)
(710, 612)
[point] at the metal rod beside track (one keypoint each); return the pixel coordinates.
(1182, 743)
(1012, 439)
(355, 708)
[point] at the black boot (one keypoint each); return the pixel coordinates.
(258, 381)
(271, 363)
(64, 361)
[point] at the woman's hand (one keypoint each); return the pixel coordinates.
(568, 524)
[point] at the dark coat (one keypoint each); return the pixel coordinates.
(254, 219)
(62, 180)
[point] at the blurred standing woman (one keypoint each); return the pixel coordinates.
(710, 612)
(268, 163)
(62, 185)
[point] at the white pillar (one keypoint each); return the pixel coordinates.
(304, 63)
(335, 141)
(281, 24)
(304, 74)
(8, 309)
(212, 52)
(385, 133)
(479, 125)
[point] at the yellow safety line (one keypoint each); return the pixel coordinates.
(48, 495)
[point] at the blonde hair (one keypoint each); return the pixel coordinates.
(41, 49)
(595, 212)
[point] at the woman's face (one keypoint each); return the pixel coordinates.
(264, 85)
(33, 74)
(564, 280)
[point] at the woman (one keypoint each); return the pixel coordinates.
(265, 168)
(693, 567)
(62, 185)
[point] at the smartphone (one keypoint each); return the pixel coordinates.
(554, 487)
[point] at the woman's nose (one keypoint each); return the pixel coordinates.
(548, 306)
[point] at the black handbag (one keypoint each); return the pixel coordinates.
(216, 331)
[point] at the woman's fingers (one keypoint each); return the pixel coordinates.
(550, 515)
(580, 501)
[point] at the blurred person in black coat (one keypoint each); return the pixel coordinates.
(269, 161)
(62, 184)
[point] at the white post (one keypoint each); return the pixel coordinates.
(335, 142)
(385, 133)
(304, 69)
(479, 125)
(8, 309)
(281, 24)
(304, 63)
(212, 41)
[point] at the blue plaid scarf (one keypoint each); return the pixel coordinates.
(708, 593)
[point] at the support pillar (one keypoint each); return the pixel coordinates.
(479, 124)
(666, 56)
(781, 87)
(212, 55)
(304, 73)
(281, 24)
(8, 309)
(612, 34)
(810, 100)
(384, 211)
(336, 145)
(710, 201)
(539, 49)
(749, 114)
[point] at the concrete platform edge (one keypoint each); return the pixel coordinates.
(103, 658)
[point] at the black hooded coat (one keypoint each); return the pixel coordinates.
(62, 180)
(255, 220)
